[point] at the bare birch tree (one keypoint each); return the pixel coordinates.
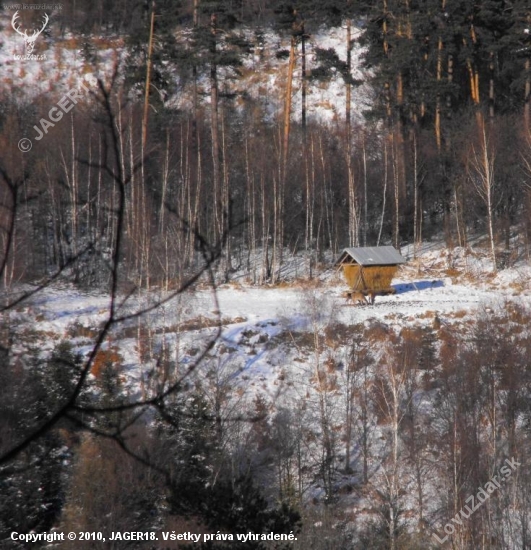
(481, 172)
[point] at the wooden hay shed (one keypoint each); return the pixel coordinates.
(370, 267)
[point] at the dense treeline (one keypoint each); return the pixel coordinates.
(445, 147)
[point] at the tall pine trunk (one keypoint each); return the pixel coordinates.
(214, 125)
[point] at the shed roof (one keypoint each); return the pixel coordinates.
(373, 255)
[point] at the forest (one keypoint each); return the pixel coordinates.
(201, 149)
(442, 149)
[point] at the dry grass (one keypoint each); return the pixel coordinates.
(519, 287)
(200, 322)
(459, 314)
(235, 285)
(426, 315)
(308, 283)
(377, 333)
(323, 382)
(517, 314)
(197, 323)
(281, 284)
(336, 334)
(69, 44)
(77, 330)
(298, 283)
(452, 272)
(30, 336)
(104, 359)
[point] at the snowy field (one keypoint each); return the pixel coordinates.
(250, 318)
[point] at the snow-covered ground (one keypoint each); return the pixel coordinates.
(251, 317)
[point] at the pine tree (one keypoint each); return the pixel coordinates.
(32, 488)
(164, 54)
(203, 488)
